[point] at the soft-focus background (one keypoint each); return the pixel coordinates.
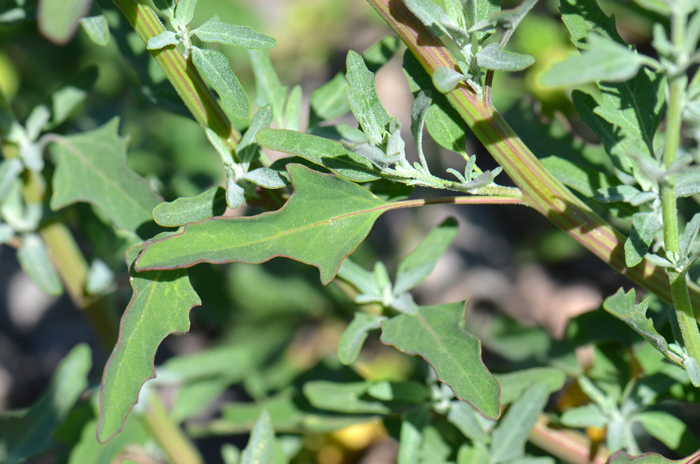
(509, 259)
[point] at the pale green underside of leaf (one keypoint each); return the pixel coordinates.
(241, 36)
(622, 306)
(159, 306)
(59, 19)
(355, 335)
(35, 262)
(323, 222)
(455, 355)
(494, 58)
(184, 210)
(214, 66)
(96, 28)
(91, 168)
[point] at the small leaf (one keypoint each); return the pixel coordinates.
(588, 415)
(247, 149)
(100, 278)
(58, 20)
(509, 437)
(324, 152)
(260, 448)
(381, 52)
(513, 384)
(98, 159)
(167, 7)
(267, 84)
(647, 458)
(159, 306)
(214, 66)
(97, 29)
(267, 178)
(28, 435)
(411, 435)
(363, 99)
(240, 36)
(511, 19)
(36, 121)
(322, 223)
(162, 40)
(329, 101)
(355, 335)
(690, 234)
(419, 111)
(34, 260)
(429, 13)
(184, 11)
(349, 397)
(578, 177)
(604, 60)
(669, 430)
(292, 111)
(418, 265)
(406, 392)
(10, 169)
(68, 97)
(618, 193)
(445, 79)
(464, 417)
(622, 306)
(235, 194)
(644, 227)
(434, 333)
(478, 11)
(185, 210)
(364, 281)
(493, 57)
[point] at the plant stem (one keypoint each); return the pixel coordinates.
(539, 187)
(170, 437)
(568, 445)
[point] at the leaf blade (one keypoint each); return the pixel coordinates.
(214, 65)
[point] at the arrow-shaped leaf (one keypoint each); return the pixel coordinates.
(323, 222)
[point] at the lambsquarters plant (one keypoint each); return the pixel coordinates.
(321, 202)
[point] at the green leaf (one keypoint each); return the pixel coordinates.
(363, 99)
(435, 334)
(355, 335)
(267, 84)
(159, 306)
(690, 234)
(68, 97)
(34, 260)
(349, 397)
(481, 10)
(329, 101)
(96, 28)
(185, 210)
(445, 79)
(29, 434)
(585, 16)
(648, 458)
(214, 66)
(322, 223)
(363, 280)
(267, 178)
(247, 149)
(381, 52)
(513, 384)
(10, 169)
(580, 178)
(167, 7)
(260, 448)
(493, 57)
(58, 20)
(240, 36)
(588, 415)
(622, 306)
(511, 19)
(406, 392)
(292, 111)
(88, 449)
(324, 152)
(162, 40)
(644, 227)
(464, 417)
(98, 159)
(418, 265)
(471, 454)
(184, 11)
(688, 183)
(617, 193)
(669, 430)
(604, 60)
(429, 13)
(411, 435)
(509, 437)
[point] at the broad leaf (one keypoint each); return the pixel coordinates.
(669, 430)
(349, 397)
(513, 384)
(355, 335)
(435, 334)
(509, 437)
(644, 227)
(241, 36)
(493, 57)
(28, 434)
(267, 84)
(35, 262)
(98, 159)
(622, 306)
(322, 223)
(418, 265)
(328, 153)
(214, 66)
(159, 306)
(184, 210)
(58, 20)
(260, 448)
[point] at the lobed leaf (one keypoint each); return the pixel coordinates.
(58, 20)
(434, 333)
(622, 306)
(214, 66)
(185, 210)
(323, 222)
(159, 306)
(356, 333)
(98, 159)
(217, 31)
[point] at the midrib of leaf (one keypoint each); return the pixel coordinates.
(102, 175)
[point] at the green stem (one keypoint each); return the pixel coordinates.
(540, 189)
(169, 436)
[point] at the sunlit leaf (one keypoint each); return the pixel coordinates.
(58, 20)
(184, 11)
(184, 210)
(267, 84)
(214, 66)
(493, 57)
(513, 384)
(669, 430)
(348, 397)
(96, 28)
(229, 34)
(588, 415)
(163, 39)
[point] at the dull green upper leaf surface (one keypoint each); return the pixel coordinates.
(59, 19)
(184, 210)
(214, 66)
(30, 434)
(644, 227)
(323, 222)
(91, 168)
(622, 305)
(215, 30)
(325, 152)
(434, 333)
(159, 306)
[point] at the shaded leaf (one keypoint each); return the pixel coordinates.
(481, 10)
(267, 84)
(648, 458)
(644, 227)
(464, 417)
(324, 152)
(241, 36)
(349, 397)
(690, 234)
(363, 280)
(509, 437)
(580, 178)
(329, 101)
(688, 183)
(355, 335)
(159, 306)
(622, 306)
(247, 149)
(618, 193)
(58, 20)
(411, 435)
(511, 19)
(260, 448)
(26, 435)
(34, 260)
(68, 97)
(96, 28)
(445, 79)
(98, 159)
(669, 430)
(214, 66)
(89, 450)
(435, 334)
(322, 223)
(513, 384)
(10, 169)
(418, 265)
(381, 52)
(184, 210)
(405, 392)
(493, 57)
